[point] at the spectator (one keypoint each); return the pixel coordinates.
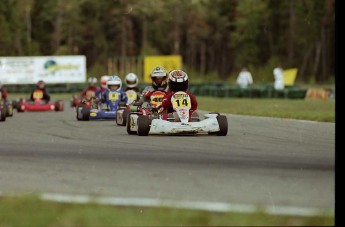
(278, 78)
(244, 78)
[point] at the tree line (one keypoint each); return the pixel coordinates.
(214, 37)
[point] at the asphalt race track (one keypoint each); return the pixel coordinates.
(262, 161)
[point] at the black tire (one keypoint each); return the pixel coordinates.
(15, 104)
(3, 114)
(85, 112)
(223, 125)
(143, 126)
(79, 116)
(128, 124)
(9, 110)
(124, 117)
(57, 106)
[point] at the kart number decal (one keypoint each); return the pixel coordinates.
(93, 114)
(38, 95)
(132, 96)
(181, 100)
(113, 96)
(156, 100)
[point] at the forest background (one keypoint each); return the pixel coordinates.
(215, 38)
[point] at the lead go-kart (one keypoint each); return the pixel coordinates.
(93, 109)
(180, 121)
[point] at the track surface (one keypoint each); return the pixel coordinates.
(262, 161)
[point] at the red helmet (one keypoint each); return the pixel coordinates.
(41, 84)
(178, 80)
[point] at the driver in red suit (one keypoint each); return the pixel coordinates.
(91, 90)
(3, 92)
(40, 92)
(178, 81)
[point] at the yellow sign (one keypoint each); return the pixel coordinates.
(290, 76)
(170, 62)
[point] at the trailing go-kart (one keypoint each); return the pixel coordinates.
(147, 109)
(181, 121)
(39, 104)
(92, 109)
(122, 113)
(76, 99)
(8, 107)
(3, 111)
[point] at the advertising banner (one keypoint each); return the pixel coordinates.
(170, 62)
(51, 69)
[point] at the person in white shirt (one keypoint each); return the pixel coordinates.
(278, 78)
(244, 78)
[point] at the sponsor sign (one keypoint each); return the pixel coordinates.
(170, 62)
(51, 69)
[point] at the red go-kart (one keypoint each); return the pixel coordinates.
(38, 104)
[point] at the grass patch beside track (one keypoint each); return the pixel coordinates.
(31, 211)
(314, 110)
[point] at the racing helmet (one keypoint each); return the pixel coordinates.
(178, 80)
(159, 77)
(131, 80)
(41, 84)
(104, 80)
(114, 80)
(92, 81)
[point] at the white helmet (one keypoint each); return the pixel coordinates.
(114, 80)
(92, 80)
(131, 80)
(104, 80)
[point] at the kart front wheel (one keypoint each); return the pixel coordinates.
(223, 125)
(85, 113)
(129, 125)
(143, 125)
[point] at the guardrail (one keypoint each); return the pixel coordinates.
(213, 90)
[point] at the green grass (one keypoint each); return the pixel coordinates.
(30, 211)
(315, 110)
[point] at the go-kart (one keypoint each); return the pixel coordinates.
(3, 111)
(76, 99)
(8, 106)
(38, 104)
(93, 109)
(180, 121)
(148, 109)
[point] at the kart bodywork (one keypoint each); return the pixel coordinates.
(92, 109)
(181, 121)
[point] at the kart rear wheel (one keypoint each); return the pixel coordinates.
(223, 125)
(3, 114)
(9, 110)
(85, 112)
(125, 115)
(128, 124)
(143, 125)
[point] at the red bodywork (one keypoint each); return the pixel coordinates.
(39, 105)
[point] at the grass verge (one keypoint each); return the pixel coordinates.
(31, 211)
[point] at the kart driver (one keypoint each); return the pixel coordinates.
(132, 89)
(3, 91)
(159, 77)
(40, 92)
(178, 81)
(103, 87)
(114, 85)
(90, 91)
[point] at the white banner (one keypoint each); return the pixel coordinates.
(50, 69)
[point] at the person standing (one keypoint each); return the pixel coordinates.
(244, 78)
(278, 78)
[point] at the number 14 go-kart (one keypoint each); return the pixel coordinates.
(181, 121)
(38, 104)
